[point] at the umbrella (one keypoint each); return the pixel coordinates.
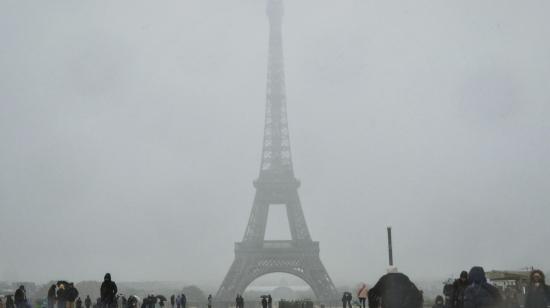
(161, 297)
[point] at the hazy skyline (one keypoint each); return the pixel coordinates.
(131, 133)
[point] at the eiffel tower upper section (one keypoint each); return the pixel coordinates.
(276, 164)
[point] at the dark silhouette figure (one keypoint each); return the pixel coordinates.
(61, 294)
(108, 292)
(132, 302)
(209, 300)
(395, 290)
(71, 295)
(88, 301)
(9, 302)
(439, 302)
(269, 301)
(480, 294)
(264, 302)
(239, 301)
(79, 303)
(51, 296)
(172, 300)
(183, 300)
(346, 299)
(459, 286)
(20, 297)
(538, 293)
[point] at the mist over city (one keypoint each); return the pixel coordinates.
(261, 144)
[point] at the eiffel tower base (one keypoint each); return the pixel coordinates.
(298, 258)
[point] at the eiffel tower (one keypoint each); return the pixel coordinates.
(276, 184)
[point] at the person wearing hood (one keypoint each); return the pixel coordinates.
(439, 302)
(395, 290)
(538, 293)
(20, 297)
(480, 294)
(88, 301)
(459, 286)
(108, 292)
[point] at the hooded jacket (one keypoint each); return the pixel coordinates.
(480, 294)
(108, 290)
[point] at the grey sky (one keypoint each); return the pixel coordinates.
(130, 134)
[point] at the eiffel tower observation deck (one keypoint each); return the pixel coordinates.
(276, 184)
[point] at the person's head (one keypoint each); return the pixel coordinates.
(107, 277)
(477, 275)
(464, 276)
(22, 287)
(537, 277)
(439, 300)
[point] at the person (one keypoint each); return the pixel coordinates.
(20, 297)
(538, 293)
(238, 301)
(439, 302)
(61, 295)
(71, 295)
(362, 294)
(395, 290)
(178, 301)
(269, 301)
(459, 286)
(51, 296)
(264, 302)
(132, 302)
(209, 300)
(480, 294)
(172, 300)
(87, 301)
(79, 303)
(108, 292)
(346, 299)
(9, 302)
(183, 300)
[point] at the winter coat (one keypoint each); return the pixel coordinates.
(363, 291)
(537, 297)
(51, 293)
(19, 297)
(395, 290)
(480, 294)
(457, 297)
(108, 290)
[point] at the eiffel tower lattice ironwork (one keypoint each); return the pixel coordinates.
(276, 184)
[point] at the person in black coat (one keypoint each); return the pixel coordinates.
(480, 294)
(538, 293)
(20, 297)
(108, 292)
(459, 286)
(395, 290)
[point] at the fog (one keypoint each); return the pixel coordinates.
(131, 132)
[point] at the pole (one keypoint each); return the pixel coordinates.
(390, 246)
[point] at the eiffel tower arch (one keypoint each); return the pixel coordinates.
(276, 184)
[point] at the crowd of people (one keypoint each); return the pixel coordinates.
(393, 290)
(470, 290)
